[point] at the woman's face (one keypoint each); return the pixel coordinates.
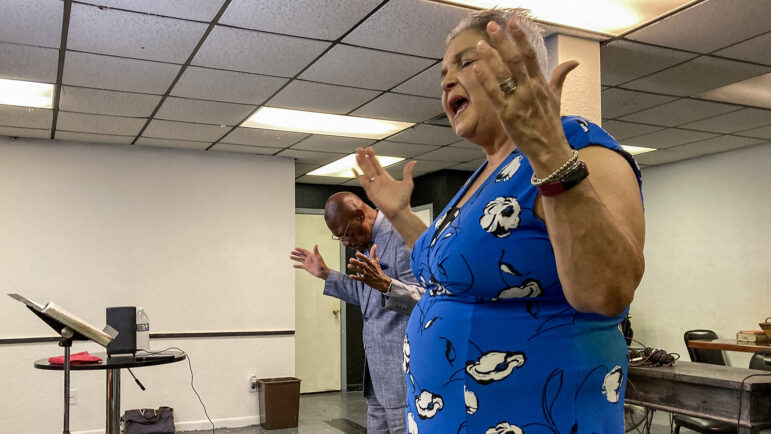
(467, 106)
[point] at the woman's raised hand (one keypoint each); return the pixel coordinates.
(528, 107)
(388, 194)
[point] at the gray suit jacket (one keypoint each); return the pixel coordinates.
(383, 331)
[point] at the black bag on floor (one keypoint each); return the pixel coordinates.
(148, 421)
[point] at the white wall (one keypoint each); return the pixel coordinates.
(199, 239)
(708, 249)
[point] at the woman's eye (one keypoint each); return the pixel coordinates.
(466, 62)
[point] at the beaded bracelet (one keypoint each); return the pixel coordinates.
(566, 182)
(568, 167)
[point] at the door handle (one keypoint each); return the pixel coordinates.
(336, 311)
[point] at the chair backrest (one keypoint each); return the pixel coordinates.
(758, 360)
(703, 355)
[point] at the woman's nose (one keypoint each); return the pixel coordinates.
(448, 82)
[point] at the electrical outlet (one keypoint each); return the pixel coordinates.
(73, 396)
(253, 384)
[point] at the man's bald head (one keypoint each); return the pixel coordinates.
(342, 205)
(348, 217)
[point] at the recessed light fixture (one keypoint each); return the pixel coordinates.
(323, 123)
(636, 150)
(26, 93)
(611, 17)
(343, 168)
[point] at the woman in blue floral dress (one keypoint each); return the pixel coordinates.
(533, 263)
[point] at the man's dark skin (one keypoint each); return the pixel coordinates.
(351, 220)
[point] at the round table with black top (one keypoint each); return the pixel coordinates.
(113, 365)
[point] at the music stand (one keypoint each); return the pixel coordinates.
(68, 334)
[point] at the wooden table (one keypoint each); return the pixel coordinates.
(707, 391)
(729, 345)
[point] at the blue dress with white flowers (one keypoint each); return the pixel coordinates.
(493, 346)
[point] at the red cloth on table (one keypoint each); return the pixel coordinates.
(81, 358)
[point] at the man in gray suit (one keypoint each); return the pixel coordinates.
(384, 287)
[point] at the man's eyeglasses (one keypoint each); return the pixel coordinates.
(345, 233)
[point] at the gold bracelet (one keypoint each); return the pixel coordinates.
(568, 167)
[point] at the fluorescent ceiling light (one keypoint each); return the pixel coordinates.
(343, 168)
(26, 93)
(635, 150)
(323, 123)
(604, 16)
(754, 91)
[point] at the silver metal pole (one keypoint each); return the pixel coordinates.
(113, 401)
(66, 390)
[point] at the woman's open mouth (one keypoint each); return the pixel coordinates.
(457, 104)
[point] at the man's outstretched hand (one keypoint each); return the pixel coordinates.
(311, 262)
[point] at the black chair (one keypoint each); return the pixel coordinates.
(703, 355)
(713, 357)
(758, 361)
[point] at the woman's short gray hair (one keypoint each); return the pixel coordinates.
(478, 20)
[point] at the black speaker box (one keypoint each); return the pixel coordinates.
(124, 320)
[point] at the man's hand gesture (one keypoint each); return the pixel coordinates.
(310, 262)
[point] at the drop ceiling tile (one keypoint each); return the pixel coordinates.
(203, 112)
(763, 132)
(440, 119)
(624, 130)
(697, 76)
(318, 97)
(622, 61)
(98, 124)
(351, 183)
(105, 72)
(177, 144)
(324, 180)
(667, 138)
(132, 34)
(361, 67)
(449, 153)
(25, 132)
(662, 156)
(753, 50)
(13, 116)
(404, 150)
(708, 26)
(107, 102)
(739, 120)
(93, 138)
(718, 144)
(226, 86)
(408, 26)
(679, 112)
(311, 157)
(263, 138)
(337, 144)
(426, 135)
(465, 144)
(754, 92)
(620, 102)
(23, 62)
(243, 149)
(158, 129)
(427, 83)
(401, 108)
(32, 22)
(469, 166)
(302, 169)
(319, 19)
(197, 10)
(257, 52)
